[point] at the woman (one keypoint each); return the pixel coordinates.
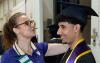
(18, 32)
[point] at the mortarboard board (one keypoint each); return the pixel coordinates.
(78, 14)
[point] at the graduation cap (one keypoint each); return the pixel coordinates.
(75, 13)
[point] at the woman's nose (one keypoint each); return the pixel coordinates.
(59, 31)
(32, 24)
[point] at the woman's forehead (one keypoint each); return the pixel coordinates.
(22, 18)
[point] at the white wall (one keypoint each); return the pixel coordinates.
(95, 24)
(37, 14)
(18, 8)
(3, 10)
(1, 16)
(47, 9)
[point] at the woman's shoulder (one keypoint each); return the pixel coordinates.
(8, 53)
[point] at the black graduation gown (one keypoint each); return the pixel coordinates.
(81, 54)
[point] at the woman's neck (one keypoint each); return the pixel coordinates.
(25, 45)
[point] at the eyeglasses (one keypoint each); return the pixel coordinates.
(28, 23)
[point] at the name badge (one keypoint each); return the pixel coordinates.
(25, 59)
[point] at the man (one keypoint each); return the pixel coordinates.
(72, 21)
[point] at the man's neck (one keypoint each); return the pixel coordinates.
(72, 45)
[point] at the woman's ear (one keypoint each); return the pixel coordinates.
(15, 30)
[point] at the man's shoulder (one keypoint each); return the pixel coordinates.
(87, 58)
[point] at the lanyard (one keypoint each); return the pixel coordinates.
(23, 58)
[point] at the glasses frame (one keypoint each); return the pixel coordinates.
(28, 23)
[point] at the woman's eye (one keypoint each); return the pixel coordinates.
(62, 26)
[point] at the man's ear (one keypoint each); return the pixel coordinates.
(16, 30)
(77, 27)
